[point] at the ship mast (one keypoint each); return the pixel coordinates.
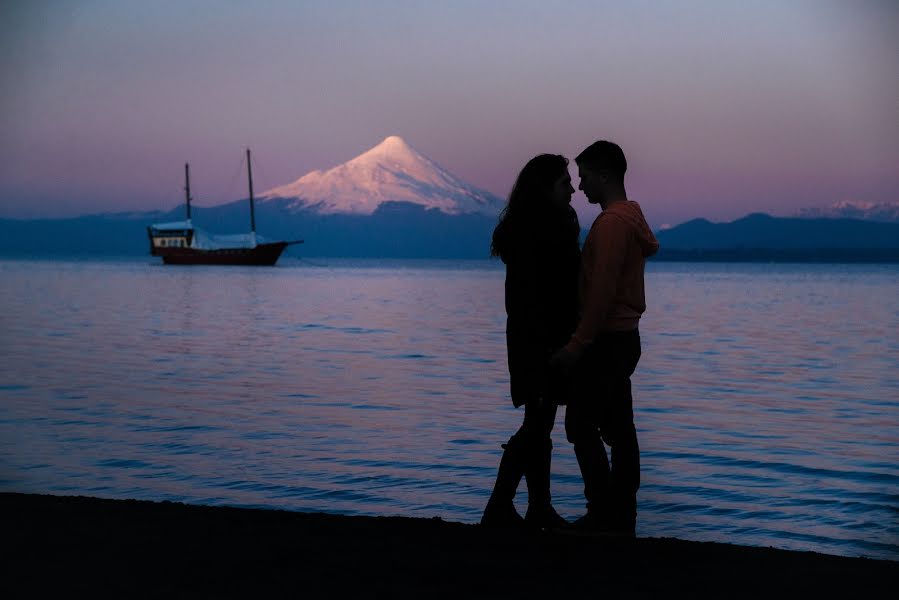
(252, 208)
(187, 189)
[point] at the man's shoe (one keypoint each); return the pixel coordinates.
(501, 515)
(544, 517)
(594, 523)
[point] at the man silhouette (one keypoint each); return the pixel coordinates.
(603, 351)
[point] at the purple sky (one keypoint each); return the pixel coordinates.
(723, 108)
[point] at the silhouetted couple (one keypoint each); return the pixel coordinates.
(572, 338)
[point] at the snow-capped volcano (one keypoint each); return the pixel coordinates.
(391, 171)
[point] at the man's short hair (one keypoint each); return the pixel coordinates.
(603, 155)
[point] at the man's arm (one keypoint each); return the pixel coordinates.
(608, 260)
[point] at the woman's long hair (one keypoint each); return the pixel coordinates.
(529, 200)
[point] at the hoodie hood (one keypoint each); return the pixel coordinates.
(629, 212)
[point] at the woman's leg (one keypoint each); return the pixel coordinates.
(539, 419)
(500, 510)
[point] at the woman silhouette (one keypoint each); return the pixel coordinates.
(537, 239)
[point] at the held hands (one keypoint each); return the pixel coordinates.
(563, 361)
(560, 373)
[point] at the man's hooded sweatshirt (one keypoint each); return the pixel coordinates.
(611, 277)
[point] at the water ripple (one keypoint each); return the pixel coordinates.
(767, 400)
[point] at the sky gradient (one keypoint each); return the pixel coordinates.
(722, 108)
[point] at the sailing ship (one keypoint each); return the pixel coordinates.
(180, 243)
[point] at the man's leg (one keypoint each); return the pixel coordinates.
(625, 472)
(619, 432)
(582, 430)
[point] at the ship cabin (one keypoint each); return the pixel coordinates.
(170, 235)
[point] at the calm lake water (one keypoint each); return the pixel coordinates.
(767, 398)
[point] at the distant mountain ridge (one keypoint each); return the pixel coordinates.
(763, 237)
(760, 230)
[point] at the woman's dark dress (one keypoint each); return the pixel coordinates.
(542, 261)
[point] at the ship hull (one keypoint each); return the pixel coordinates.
(263, 255)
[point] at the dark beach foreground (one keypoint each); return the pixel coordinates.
(129, 548)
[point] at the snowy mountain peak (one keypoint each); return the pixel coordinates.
(391, 171)
(854, 209)
(393, 144)
(394, 152)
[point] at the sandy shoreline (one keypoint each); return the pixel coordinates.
(127, 548)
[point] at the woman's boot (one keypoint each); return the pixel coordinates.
(541, 514)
